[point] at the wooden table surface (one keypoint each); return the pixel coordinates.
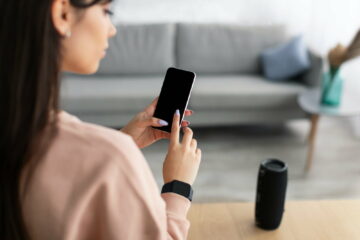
(302, 220)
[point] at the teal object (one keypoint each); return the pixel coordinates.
(332, 87)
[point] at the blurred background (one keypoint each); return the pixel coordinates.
(323, 23)
(241, 117)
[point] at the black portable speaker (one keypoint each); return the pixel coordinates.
(270, 194)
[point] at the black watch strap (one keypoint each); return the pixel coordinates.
(179, 187)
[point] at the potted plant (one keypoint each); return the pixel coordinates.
(332, 82)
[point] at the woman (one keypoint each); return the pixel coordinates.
(62, 178)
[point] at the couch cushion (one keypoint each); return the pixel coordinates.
(100, 94)
(84, 94)
(243, 92)
(140, 49)
(224, 48)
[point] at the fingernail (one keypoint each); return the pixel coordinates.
(177, 112)
(163, 123)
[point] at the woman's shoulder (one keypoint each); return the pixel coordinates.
(90, 141)
(82, 149)
(73, 129)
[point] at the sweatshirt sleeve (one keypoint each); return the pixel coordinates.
(127, 204)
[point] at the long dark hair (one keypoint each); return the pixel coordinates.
(30, 57)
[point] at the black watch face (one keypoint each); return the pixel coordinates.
(181, 188)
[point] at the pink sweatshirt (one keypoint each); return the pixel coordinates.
(94, 183)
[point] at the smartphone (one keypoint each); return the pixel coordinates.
(175, 94)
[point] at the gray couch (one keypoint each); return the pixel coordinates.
(229, 88)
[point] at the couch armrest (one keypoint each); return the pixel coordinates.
(312, 77)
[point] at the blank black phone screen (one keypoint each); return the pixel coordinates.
(174, 94)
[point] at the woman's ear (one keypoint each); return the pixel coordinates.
(61, 16)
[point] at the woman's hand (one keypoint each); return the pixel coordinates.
(140, 126)
(183, 158)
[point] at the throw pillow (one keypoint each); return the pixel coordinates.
(286, 60)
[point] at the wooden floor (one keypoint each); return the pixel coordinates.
(231, 157)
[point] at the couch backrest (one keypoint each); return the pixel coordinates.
(151, 48)
(140, 49)
(224, 48)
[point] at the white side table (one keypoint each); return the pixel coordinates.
(309, 101)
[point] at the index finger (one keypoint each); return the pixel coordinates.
(175, 128)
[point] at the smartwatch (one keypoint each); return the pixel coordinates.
(179, 187)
